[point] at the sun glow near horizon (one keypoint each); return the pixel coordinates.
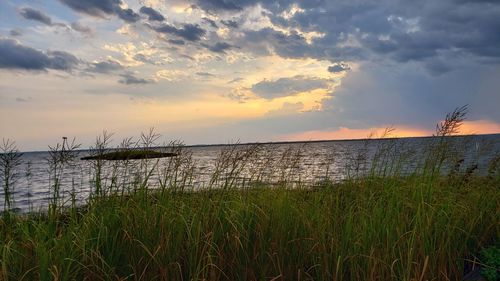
(396, 131)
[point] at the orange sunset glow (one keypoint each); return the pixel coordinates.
(467, 128)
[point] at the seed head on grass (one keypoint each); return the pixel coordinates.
(452, 123)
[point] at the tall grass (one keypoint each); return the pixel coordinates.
(257, 219)
(10, 160)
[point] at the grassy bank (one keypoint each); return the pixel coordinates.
(255, 219)
(374, 229)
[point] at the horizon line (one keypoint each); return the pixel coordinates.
(291, 142)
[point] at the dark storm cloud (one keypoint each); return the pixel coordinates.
(447, 27)
(105, 66)
(362, 30)
(338, 67)
(189, 32)
(287, 86)
(377, 94)
(152, 14)
(130, 79)
(13, 55)
(101, 8)
(36, 15)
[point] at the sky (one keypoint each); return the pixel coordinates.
(219, 71)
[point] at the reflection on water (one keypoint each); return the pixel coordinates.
(307, 163)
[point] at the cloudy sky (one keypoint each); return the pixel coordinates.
(213, 71)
